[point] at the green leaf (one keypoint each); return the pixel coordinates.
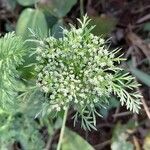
(73, 141)
(19, 127)
(11, 4)
(105, 111)
(120, 135)
(57, 30)
(145, 78)
(27, 2)
(146, 27)
(51, 20)
(146, 145)
(104, 25)
(119, 145)
(33, 19)
(58, 8)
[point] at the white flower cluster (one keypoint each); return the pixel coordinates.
(75, 70)
(72, 69)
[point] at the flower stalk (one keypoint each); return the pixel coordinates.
(62, 129)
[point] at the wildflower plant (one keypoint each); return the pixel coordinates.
(16, 119)
(76, 71)
(79, 71)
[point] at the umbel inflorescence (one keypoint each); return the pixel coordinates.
(79, 71)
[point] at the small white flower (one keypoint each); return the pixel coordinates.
(38, 58)
(41, 43)
(105, 51)
(81, 102)
(40, 75)
(65, 31)
(95, 41)
(95, 100)
(79, 31)
(74, 46)
(52, 96)
(38, 84)
(102, 41)
(58, 108)
(100, 78)
(76, 101)
(38, 50)
(45, 89)
(65, 107)
(92, 105)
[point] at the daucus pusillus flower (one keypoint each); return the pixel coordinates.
(78, 70)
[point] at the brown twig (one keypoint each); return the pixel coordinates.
(141, 9)
(143, 19)
(102, 145)
(116, 112)
(136, 143)
(49, 142)
(142, 98)
(122, 114)
(145, 106)
(136, 41)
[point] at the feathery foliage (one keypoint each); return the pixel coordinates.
(12, 50)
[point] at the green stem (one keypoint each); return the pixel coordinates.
(81, 8)
(62, 130)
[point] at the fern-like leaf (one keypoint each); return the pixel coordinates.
(12, 50)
